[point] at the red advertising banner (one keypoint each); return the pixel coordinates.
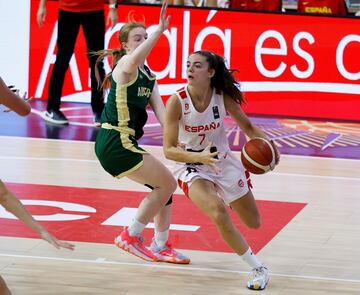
(289, 65)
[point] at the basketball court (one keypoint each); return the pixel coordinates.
(310, 212)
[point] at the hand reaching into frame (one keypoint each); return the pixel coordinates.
(45, 235)
(16, 91)
(164, 20)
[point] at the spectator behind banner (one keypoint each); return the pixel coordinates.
(89, 14)
(196, 3)
(267, 5)
(334, 7)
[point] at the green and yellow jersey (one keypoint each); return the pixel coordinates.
(125, 109)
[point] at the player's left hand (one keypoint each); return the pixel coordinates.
(277, 154)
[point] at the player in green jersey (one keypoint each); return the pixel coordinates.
(132, 87)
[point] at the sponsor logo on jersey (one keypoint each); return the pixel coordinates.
(200, 128)
(144, 91)
(216, 112)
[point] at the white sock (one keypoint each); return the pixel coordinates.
(136, 228)
(161, 237)
(250, 258)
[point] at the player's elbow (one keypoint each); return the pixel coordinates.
(168, 152)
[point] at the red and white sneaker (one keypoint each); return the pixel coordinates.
(168, 254)
(134, 245)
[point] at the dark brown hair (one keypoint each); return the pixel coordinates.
(223, 78)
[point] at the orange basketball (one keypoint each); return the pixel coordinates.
(258, 156)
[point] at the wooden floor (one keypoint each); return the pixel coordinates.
(316, 253)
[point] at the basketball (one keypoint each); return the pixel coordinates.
(258, 156)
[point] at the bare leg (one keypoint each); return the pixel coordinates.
(163, 218)
(4, 290)
(163, 185)
(156, 175)
(203, 194)
(247, 211)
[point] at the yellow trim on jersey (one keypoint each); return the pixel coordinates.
(128, 83)
(122, 106)
(127, 144)
(130, 170)
(146, 74)
(122, 129)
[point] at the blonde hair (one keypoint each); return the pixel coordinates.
(116, 54)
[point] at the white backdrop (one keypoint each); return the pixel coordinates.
(14, 42)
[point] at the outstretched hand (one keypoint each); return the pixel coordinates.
(17, 91)
(54, 241)
(164, 20)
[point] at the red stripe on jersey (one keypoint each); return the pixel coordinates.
(184, 187)
(182, 93)
(248, 179)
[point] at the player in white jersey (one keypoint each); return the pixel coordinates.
(207, 171)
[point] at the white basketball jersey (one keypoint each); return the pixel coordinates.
(196, 129)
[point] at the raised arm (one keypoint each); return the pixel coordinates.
(13, 101)
(130, 62)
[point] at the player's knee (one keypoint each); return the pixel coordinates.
(171, 185)
(218, 213)
(254, 222)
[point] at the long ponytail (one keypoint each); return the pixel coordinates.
(116, 54)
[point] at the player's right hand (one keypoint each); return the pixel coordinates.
(208, 158)
(164, 20)
(54, 241)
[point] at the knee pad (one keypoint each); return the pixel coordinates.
(169, 202)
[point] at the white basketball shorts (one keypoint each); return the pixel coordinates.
(231, 183)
